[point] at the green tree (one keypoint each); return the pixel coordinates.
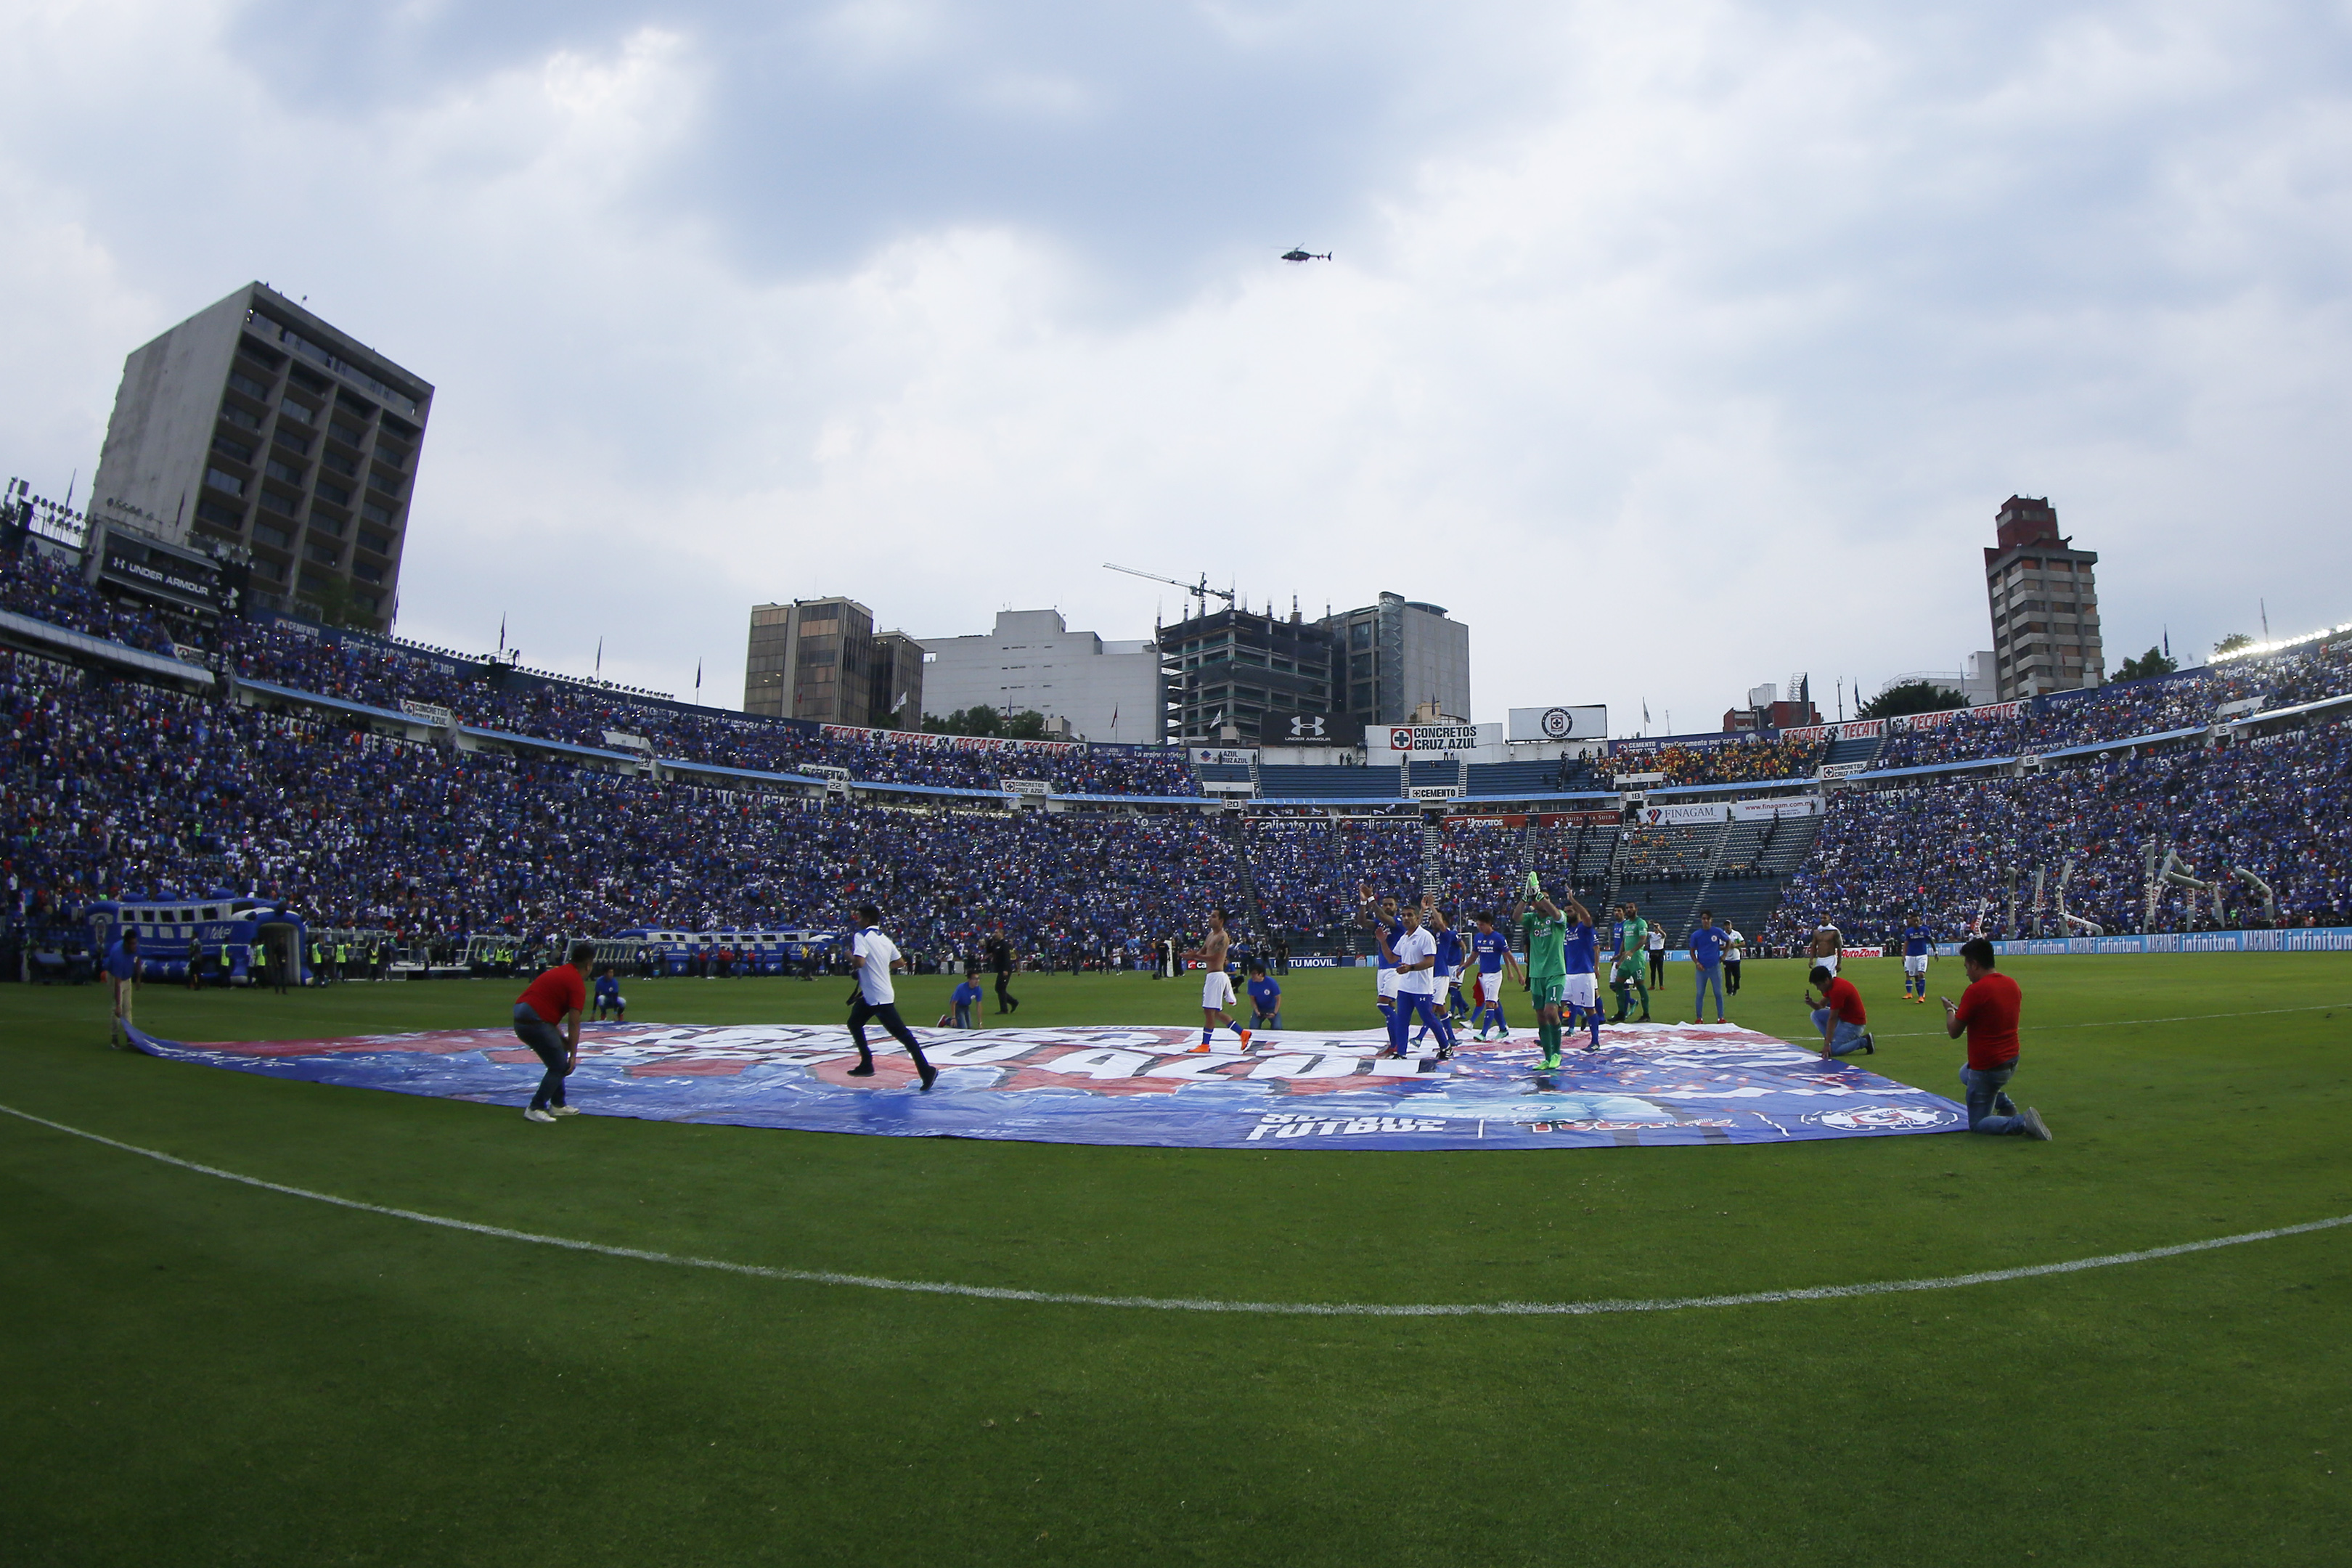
(1911, 697)
(2231, 643)
(2152, 662)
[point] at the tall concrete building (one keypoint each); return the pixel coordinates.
(1391, 657)
(1239, 669)
(822, 660)
(1033, 662)
(2045, 605)
(256, 425)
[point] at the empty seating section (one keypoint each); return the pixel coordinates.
(1295, 782)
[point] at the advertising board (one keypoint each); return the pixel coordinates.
(1685, 813)
(1561, 722)
(1765, 810)
(1430, 740)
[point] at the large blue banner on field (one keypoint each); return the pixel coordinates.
(1651, 1083)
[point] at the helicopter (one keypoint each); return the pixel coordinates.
(1296, 254)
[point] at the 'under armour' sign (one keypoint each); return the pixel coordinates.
(1309, 727)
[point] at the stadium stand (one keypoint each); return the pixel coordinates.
(1969, 852)
(1306, 868)
(117, 789)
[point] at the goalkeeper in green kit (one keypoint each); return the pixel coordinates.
(1546, 932)
(1633, 940)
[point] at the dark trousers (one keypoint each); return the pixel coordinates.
(1731, 975)
(546, 1043)
(1657, 968)
(1006, 1000)
(861, 1010)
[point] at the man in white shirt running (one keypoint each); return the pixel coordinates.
(878, 997)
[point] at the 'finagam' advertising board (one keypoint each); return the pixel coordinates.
(1560, 723)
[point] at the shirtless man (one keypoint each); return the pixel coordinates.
(1828, 947)
(1217, 989)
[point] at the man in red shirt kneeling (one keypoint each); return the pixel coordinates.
(1842, 1019)
(1988, 1010)
(547, 1019)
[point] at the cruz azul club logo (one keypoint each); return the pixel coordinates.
(1558, 724)
(1883, 1117)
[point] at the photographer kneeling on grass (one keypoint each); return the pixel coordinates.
(1988, 1010)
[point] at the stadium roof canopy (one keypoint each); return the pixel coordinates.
(43, 634)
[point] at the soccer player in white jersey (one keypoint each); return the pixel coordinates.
(878, 996)
(1217, 985)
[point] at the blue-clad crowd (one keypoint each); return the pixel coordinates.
(1965, 855)
(383, 677)
(117, 789)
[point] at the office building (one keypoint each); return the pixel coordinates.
(253, 426)
(1033, 662)
(896, 682)
(2045, 602)
(814, 659)
(1391, 657)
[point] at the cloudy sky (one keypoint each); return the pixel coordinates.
(1674, 346)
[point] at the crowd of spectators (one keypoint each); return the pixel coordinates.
(117, 789)
(34, 583)
(1737, 764)
(1306, 868)
(2187, 700)
(485, 694)
(1965, 854)
(487, 697)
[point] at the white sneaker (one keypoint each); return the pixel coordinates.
(2034, 1126)
(563, 1110)
(535, 1114)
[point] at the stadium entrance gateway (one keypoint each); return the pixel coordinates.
(1654, 1084)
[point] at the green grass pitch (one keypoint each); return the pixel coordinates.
(194, 1371)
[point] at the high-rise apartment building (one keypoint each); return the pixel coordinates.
(2045, 605)
(1033, 662)
(254, 425)
(822, 660)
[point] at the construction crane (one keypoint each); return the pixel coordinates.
(1201, 590)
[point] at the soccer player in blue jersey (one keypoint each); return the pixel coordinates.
(1446, 990)
(1707, 945)
(1380, 916)
(1492, 950)
(1919, 942)
(608, 996)
(1582, 952)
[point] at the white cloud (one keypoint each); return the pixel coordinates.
(1674, 347)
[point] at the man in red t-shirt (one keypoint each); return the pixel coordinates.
(1841, 1018)
(1989, 1010)
(547, 1019)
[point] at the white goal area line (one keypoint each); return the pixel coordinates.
(1198, 1304)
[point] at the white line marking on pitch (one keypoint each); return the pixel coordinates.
(1192, 1304)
